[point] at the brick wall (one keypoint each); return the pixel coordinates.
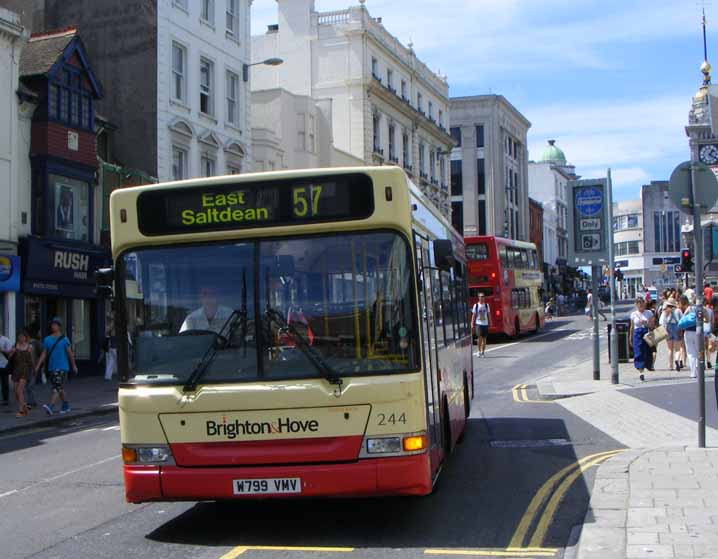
(51, 138)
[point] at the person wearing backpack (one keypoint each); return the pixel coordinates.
(670, 317)
(57, 352)
(480, 318)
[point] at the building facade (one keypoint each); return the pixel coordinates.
(548, 182)
(174, 71)
(294, 132)
(14, 167)
(387, 107)
(662, 222)
(60, 246)
(536, 226)
(489, 167)
(628, 237)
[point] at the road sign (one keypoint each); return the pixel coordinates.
(679, 188)
(588, 220)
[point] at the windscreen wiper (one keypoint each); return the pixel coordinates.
(231, 325)
(303, 345)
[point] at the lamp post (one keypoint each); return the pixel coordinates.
(267, 62)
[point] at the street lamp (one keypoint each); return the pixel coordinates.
(267, 62)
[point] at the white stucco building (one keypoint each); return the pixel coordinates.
(386, 106)
(628, 246)
(14, 165)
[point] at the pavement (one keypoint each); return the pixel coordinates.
(89, 395)
(659, 497)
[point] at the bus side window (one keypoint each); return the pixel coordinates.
(447, 307)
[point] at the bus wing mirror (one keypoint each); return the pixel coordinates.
(104, 279)
(443, 254)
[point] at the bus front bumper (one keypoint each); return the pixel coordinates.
(405, 475)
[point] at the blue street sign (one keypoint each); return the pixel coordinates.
(589, 201)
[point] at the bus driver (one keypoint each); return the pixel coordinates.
(210, 316)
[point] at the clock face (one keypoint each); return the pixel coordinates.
(709, 154)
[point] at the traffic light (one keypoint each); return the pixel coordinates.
(686, 260)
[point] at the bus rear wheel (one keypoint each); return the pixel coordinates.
(517, 329)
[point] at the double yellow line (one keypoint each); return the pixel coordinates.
(520, 395)
(552, 492)
(239, 550)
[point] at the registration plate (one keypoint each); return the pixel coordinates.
(267, 486)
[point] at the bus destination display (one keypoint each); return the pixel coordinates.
(259, 204)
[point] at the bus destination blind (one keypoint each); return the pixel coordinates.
(260, 204)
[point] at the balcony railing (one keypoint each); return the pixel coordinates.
(393, 159)
(378, 151)
(333, 18)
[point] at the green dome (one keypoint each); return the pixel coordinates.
(552, 154)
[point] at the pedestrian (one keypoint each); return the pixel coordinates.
(600, 306)
(32, 380)
(23, 361)
(670, 316)
(5, 347)
(707, 293)
(588, 311)
(688, 325)
(481, 317)
(651, 307)
(57, 351)
(641, 321)
(110, 356)
(549, 310)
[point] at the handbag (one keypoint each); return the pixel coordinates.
(656, 336)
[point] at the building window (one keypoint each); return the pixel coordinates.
(390, 78)
(69, 101)
(405, 149)
(70, 208)
(457, 179)
(422, 156)
(232, 85)
(179, 163)
(207, 11)
(232, 19)
(666, 231)
(481, 176)
(403, 90)
(301, 132)
(179, 71)
(480, 136)
(482, 217)
(441, 118)
(312, 134)
(207, 165)
(457, 216)
(375, 67)
(206, 86)
(442, 170)
(432, 164)
(376, 122)
(431, 110)
(455, 132)
(420, 102)
(233, 170)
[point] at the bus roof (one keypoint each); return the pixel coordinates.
(499, 240)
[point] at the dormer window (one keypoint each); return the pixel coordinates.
(70, 100)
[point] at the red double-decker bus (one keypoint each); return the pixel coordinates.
(509, 274)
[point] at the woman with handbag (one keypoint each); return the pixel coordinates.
(669, 320)
(641, 321)
(687, 324)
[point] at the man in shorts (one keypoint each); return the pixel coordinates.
(480, 317)
(57, 351)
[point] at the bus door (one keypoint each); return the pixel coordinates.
(431, 368)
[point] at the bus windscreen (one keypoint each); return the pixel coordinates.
(239, 205)
(477, 251)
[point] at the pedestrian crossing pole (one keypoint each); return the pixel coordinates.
(698, 251)
(612, 283)
(595, 271)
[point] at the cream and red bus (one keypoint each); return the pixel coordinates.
(509, 274)
(287, 334)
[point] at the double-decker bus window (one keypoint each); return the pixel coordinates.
(503, 255)
(447, 303)
(524, 258)
(438, 307)
(479, 251)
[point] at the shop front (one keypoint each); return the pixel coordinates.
(9, 286)
(58, 280)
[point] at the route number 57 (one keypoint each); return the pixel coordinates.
(306, 201)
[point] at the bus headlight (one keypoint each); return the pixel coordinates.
(159, 454)
(383, 445)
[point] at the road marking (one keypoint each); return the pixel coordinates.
(521, 396)
(525, 552)
(239, 550)
(112, 428)
(531, 338)
(59, 476)
(522, 529)
(535, 443)
(550, 510)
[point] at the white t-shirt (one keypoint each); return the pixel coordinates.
(589, 300)
(640, 319)
(197, 320)
(5, 346)
(481, 312)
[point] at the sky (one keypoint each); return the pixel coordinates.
(610, 80)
